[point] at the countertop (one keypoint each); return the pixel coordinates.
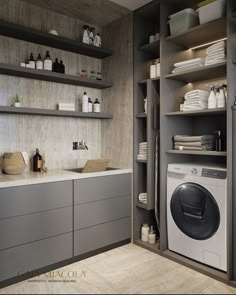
(30, 178)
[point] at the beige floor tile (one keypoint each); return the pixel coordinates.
(126, 270)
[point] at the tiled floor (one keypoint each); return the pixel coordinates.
(126, 270)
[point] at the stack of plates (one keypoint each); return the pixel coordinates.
(143, 149)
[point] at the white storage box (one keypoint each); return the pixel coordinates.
(183, 20)
(212, 11)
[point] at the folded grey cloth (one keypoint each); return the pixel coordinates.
(203, 138)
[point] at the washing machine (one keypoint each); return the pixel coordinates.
(197, 213)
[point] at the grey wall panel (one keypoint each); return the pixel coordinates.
(34, 198)
(95, 213)
(29, 228)
(30, 257)
(100, 188)
(96, 237)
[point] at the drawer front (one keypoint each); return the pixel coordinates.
(29, 228)
(90, 214)
(93, 238)
(30, 257)
(35, 198)
(100, 188)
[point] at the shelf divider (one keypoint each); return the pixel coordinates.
(200, 113)
(198, 153)
(202, 74)
(200, 35)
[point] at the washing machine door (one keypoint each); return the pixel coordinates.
(195, 211)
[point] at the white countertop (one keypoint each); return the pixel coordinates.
(30, 178)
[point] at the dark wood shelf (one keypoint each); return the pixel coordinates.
(146, 80)
(141, 116)
(34, 36)
(198, 153)
(202, 74)
(154, 248)
(141, 161)
(201, 113)
(202, 34)
(153, 49)
(18, 71)
(142, 206)
(52, 113)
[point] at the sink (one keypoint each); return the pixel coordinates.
(79, 170)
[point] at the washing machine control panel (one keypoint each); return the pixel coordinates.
(210, 173)
(194, 171)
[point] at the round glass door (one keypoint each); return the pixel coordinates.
(195, 211)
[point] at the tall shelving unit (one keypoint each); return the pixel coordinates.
(172, 87)
(146, 126)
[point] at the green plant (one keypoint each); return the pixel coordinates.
(17, 98)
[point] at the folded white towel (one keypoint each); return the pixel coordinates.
(197, 94)
(189, 62)
(187, 68)
(216, 46)
(213, 62)
(216, 51)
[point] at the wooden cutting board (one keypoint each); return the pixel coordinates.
(96, 165)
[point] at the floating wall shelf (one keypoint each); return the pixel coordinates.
(200, 35)
(201, 113)
(52, 113)
(202, 74)
(18, 71)
(34, 36)
(198, 153)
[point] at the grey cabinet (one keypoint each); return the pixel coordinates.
(30, 199)
(93, 238)
(30, 257)
(36, 227)
(102, 212)
(100, 188)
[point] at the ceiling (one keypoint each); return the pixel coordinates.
(131, 4)
(100, 12)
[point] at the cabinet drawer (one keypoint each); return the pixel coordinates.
(35, 198)
(30, 257)
(29, 228)
(100, 188)
(93, 238)
(90, 214)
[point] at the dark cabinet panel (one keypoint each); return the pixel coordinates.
(100, 188)
(30, 257)
(90, 214)
(30, 199)
(33, 227)
(93, 238)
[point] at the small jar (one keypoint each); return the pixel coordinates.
(152, 237)
(84, 74)
(145, 233)
(97, 106)
(99, 76)
(92, 75)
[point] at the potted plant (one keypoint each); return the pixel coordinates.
(17, 103)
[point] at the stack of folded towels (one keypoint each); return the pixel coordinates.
(194, 143)
(143, 151)
(196, 100)
(216, 54)
(188, 65)
(143, 198)
(66, 107)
